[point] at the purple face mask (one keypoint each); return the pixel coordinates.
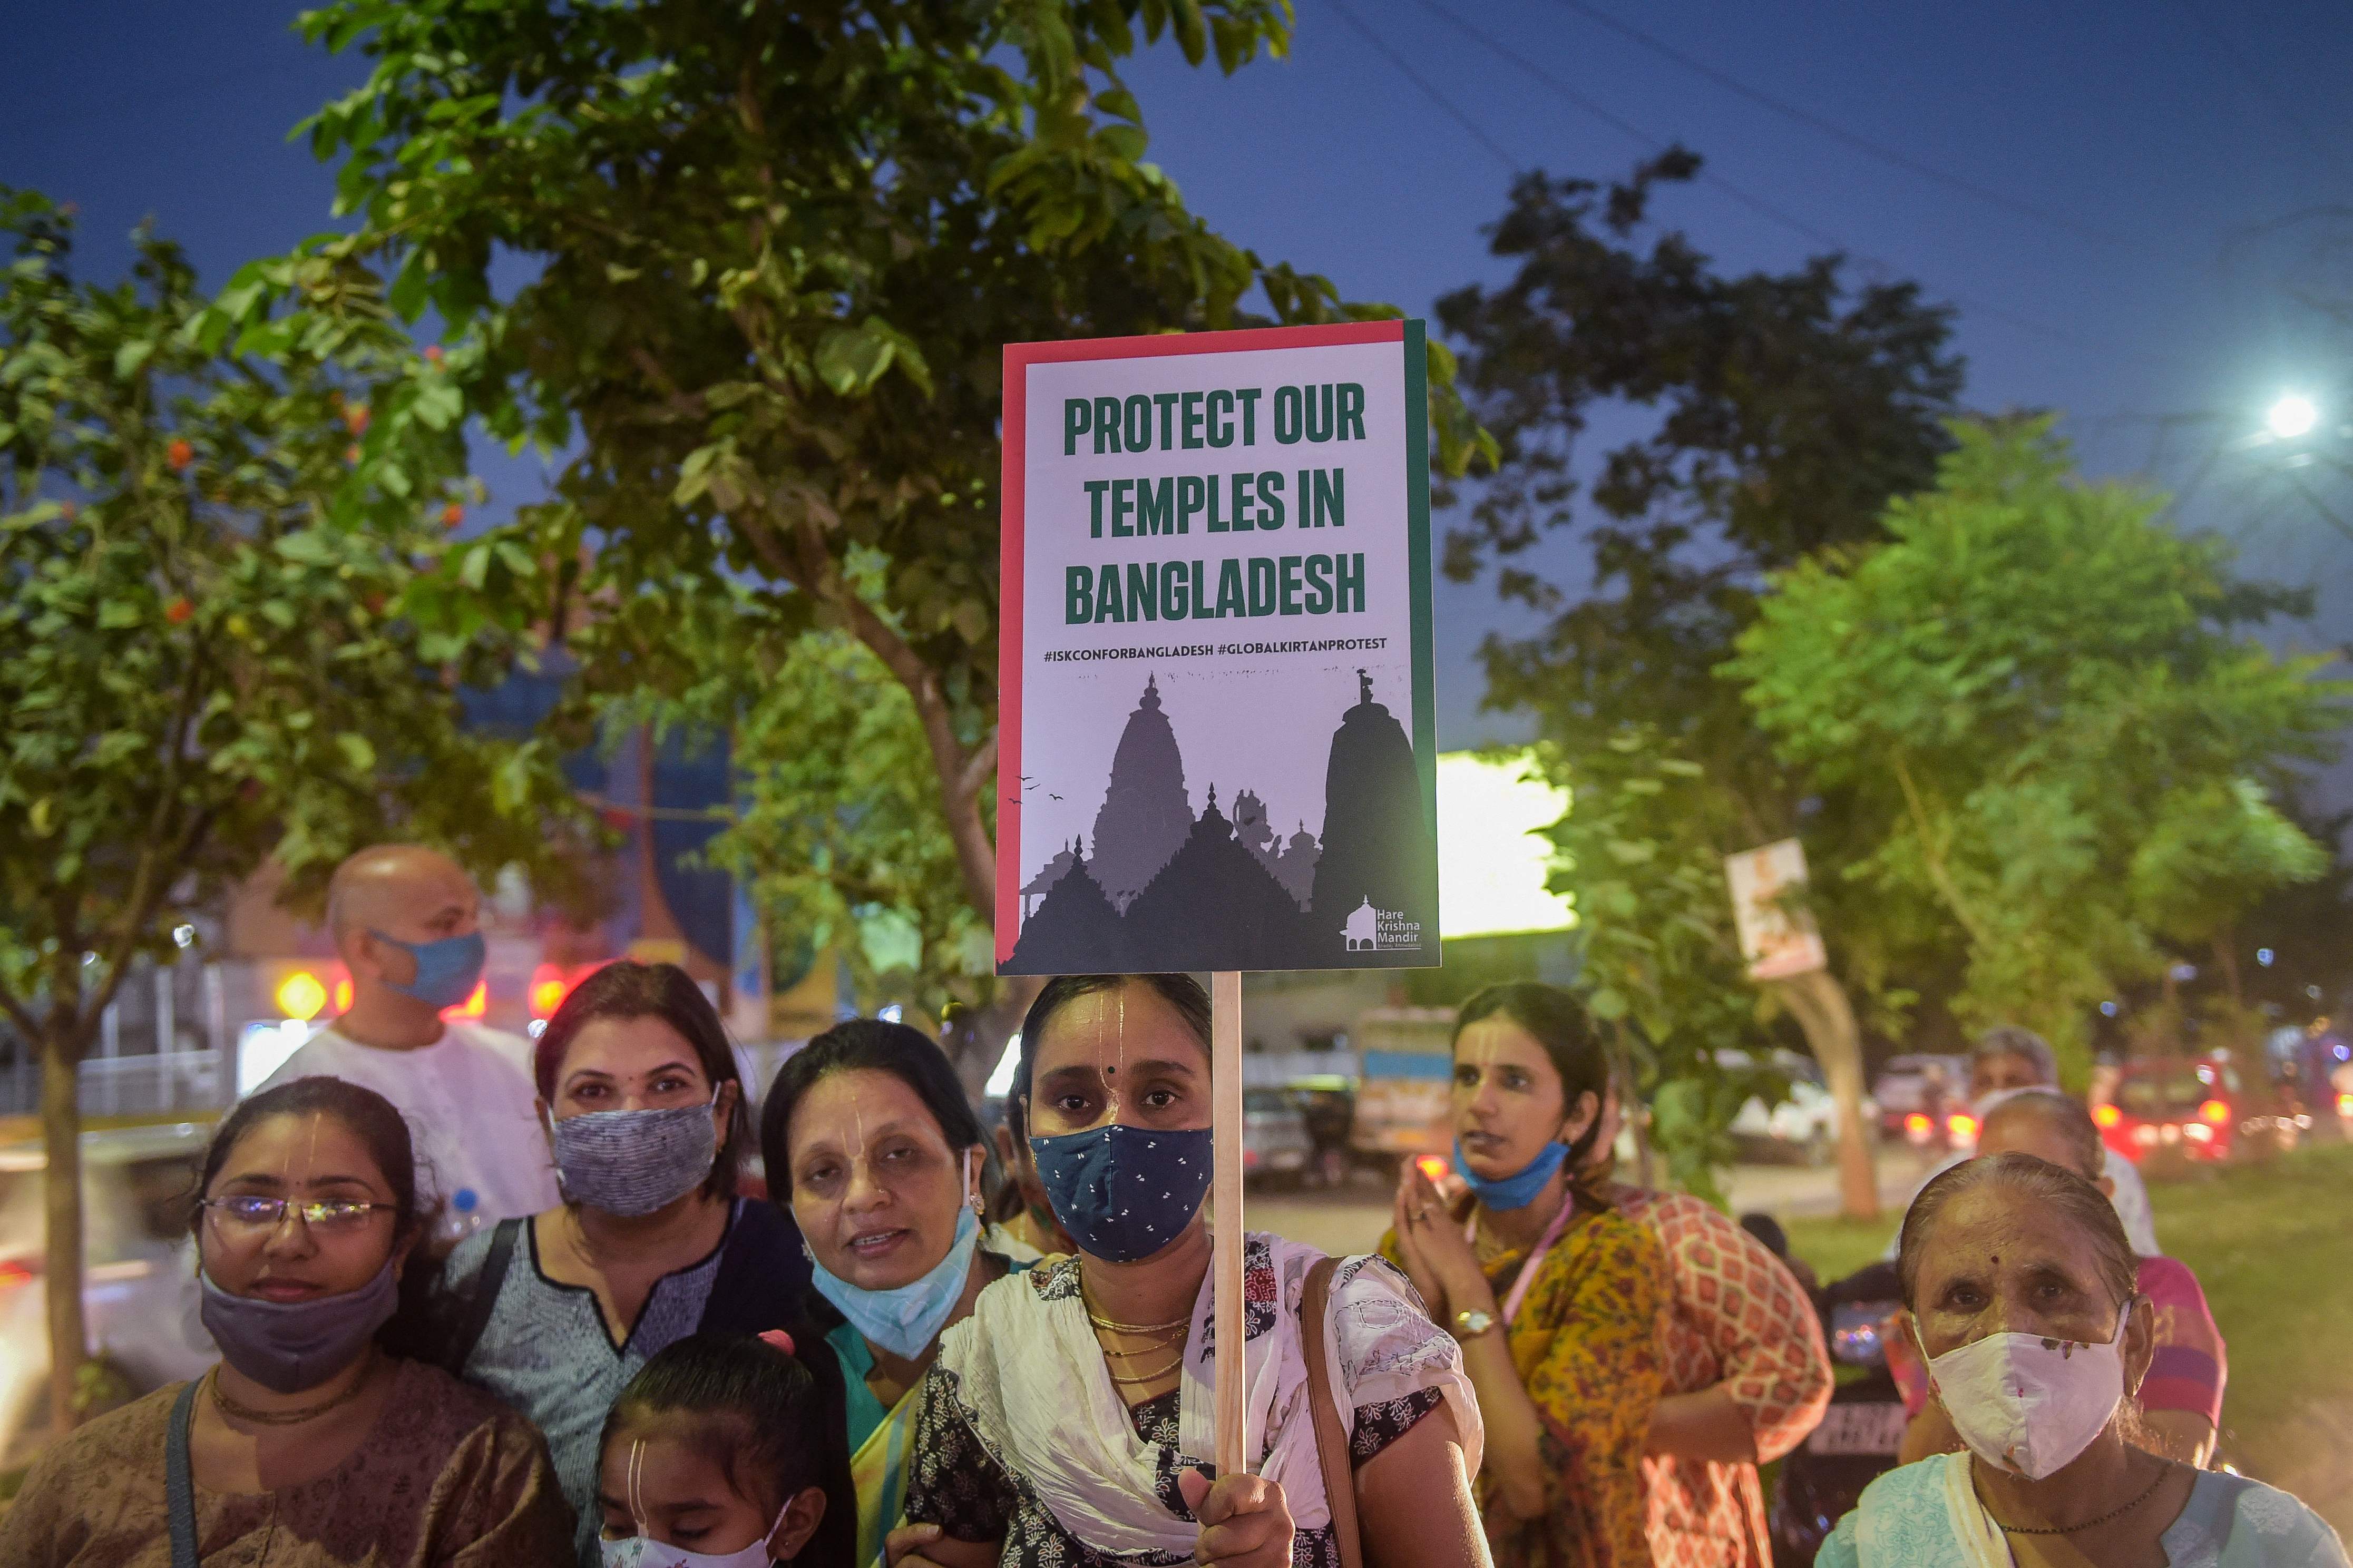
(288, 1346)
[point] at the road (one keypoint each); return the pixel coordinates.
(1352, 1220)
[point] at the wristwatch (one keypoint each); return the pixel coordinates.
(1470, 1325)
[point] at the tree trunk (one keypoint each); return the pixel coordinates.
(2226, 953)
(62, 1183)
(1820, 1005)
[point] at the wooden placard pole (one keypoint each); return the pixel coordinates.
(1226, 1215)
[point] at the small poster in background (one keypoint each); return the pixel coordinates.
(1777, 935)
(1217, 746)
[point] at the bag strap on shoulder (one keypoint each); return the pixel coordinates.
(179, 1485)
(1331, 1439)
(484, 1297)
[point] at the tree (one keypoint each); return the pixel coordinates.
(778, 252)
(210, 515)
(836, 832)
(1777, 413)
(2048, 723)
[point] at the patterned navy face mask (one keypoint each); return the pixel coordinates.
(1124, 1193)
(631, 1162)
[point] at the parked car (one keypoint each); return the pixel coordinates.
(1924, 1100)
(2199, 1108)
(138, 1293)
(1802, 1126)
(1275, 1144)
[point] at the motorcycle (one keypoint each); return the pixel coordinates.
(1822, 1479)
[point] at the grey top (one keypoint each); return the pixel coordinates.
(546, 1352)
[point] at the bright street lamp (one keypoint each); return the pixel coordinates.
(2293, 416)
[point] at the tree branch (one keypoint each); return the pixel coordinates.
(1932, 855)
(976, 854)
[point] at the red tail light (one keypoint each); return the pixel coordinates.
(1962, 1126)
(2215, 1111)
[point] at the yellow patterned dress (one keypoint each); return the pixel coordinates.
(1586, 1345)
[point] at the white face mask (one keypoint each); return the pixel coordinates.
(2027, 1403)
(642, 1550)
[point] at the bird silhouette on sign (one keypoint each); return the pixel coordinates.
(1051, 795)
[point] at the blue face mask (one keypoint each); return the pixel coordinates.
(1124, 1193)
(1514, 1192)
(906, 1320)
(446, 970)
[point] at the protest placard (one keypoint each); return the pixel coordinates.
(1217, 747)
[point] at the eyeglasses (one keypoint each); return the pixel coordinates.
(267, 1214)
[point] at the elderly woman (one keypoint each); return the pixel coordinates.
(315, 1442)
(2021, 1289)
(1066, 1423)
(2007, 1060)
(2181, 1402)
(868, 1136)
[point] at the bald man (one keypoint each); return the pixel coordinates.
(407, 923)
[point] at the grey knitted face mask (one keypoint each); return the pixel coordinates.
(631, 1162)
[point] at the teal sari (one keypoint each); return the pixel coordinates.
(1914, 1517)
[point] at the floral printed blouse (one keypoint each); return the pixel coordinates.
(1586, 1344)
(955, 1482)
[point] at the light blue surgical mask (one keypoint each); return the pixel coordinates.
(1516, 1191)
(906, 1320)
(448, 970)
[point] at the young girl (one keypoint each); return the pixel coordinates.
(726, 1453)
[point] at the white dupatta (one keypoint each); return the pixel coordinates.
(1031, 1382)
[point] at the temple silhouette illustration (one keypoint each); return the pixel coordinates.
(1218, 891)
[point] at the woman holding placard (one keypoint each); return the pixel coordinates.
(1064, 1423)
(1558, 1302)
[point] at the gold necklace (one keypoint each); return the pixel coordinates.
(1171, 1328)
(252, 1417)
(1117, 1327)
(1140, 1380)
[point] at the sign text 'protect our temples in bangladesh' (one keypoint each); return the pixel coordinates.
(1216, 740)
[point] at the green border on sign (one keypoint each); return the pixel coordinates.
(1424, 651)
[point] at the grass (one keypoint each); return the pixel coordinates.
(2273, 1245)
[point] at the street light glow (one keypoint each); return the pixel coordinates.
(2293, 414)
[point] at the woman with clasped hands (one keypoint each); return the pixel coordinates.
(1065, 1422)
(1555, 1297)
(2020, 1283)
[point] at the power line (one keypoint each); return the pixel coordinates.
(1863, 144)
(2263, 88)
(1634, 132)
(1428, 90)
(1872, 267)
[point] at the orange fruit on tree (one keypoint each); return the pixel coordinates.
(179, 454)
(178, 611)
(452, 515)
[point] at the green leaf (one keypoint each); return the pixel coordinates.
(357, 752)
